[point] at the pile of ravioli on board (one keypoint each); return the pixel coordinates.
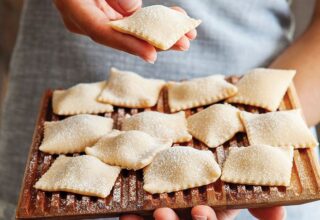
(146, 139)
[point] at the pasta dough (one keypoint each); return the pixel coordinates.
(85, 175)
(161, 125)
(128, 89)
(180, 168)
(258, 165)
(215, 124)
(128, 149)
(284, 128)
(263, 88)
(80, 99)
(73, 134)
(160, 26)
(199, 92)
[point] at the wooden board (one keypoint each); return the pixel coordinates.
(128, 195)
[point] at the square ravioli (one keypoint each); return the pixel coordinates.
(160, 26)
(85, 175)
(131, 150)
(215, 124)
(80, 99)
(128, 89)
(198, 92)
(284, 128)
(74, 134)
(258, 165)
(160, 125)
(179, 168)
(263, 88)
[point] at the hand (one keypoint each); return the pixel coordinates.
(202, 212)
(91, 18)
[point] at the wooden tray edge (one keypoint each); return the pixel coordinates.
(41, 115)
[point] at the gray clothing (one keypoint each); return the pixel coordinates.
(234, 37)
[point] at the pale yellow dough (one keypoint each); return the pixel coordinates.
(180, 168)
(160, 26)
(85, 175)
(215, 124)
(258, 165)
(73, 134)
(263, 88)
(199, 92)
(80, 99)
(128, 149)
(284, 128)
(161, 125)
(128, 89)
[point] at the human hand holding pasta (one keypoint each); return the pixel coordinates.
(91, 18)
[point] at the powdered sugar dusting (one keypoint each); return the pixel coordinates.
(161, 125)
(157, 24)
(180, 168)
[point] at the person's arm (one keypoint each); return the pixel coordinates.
(304, 56)
(91, 18)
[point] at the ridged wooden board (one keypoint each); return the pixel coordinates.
(128, 195)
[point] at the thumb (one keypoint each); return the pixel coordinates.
(125, 7)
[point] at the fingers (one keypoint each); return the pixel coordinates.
(125, 7)
(71, 26)
(108, 10)
(177, 8)
(91, 18)
(126, 43)
(273, 213)
(202, 212)
(182, 44)
(191, 35)
(227, 214)
(92, 21)
(130, 217)
(165, 214)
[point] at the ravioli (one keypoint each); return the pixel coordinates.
(128, 89)
(258, 165)
(160, 125)
(160, 26)
(73, 134)
(263, 88)
(80, 99)
(85, 175)
(283, 128)
(128, 149)
(216, 124)
(199, 92)
(180, 168)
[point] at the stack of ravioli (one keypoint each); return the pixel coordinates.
(161, 143)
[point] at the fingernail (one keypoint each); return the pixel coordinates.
(285, 214)
(149, 60)
(129, 5)
(185, 46)
(199, 217)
